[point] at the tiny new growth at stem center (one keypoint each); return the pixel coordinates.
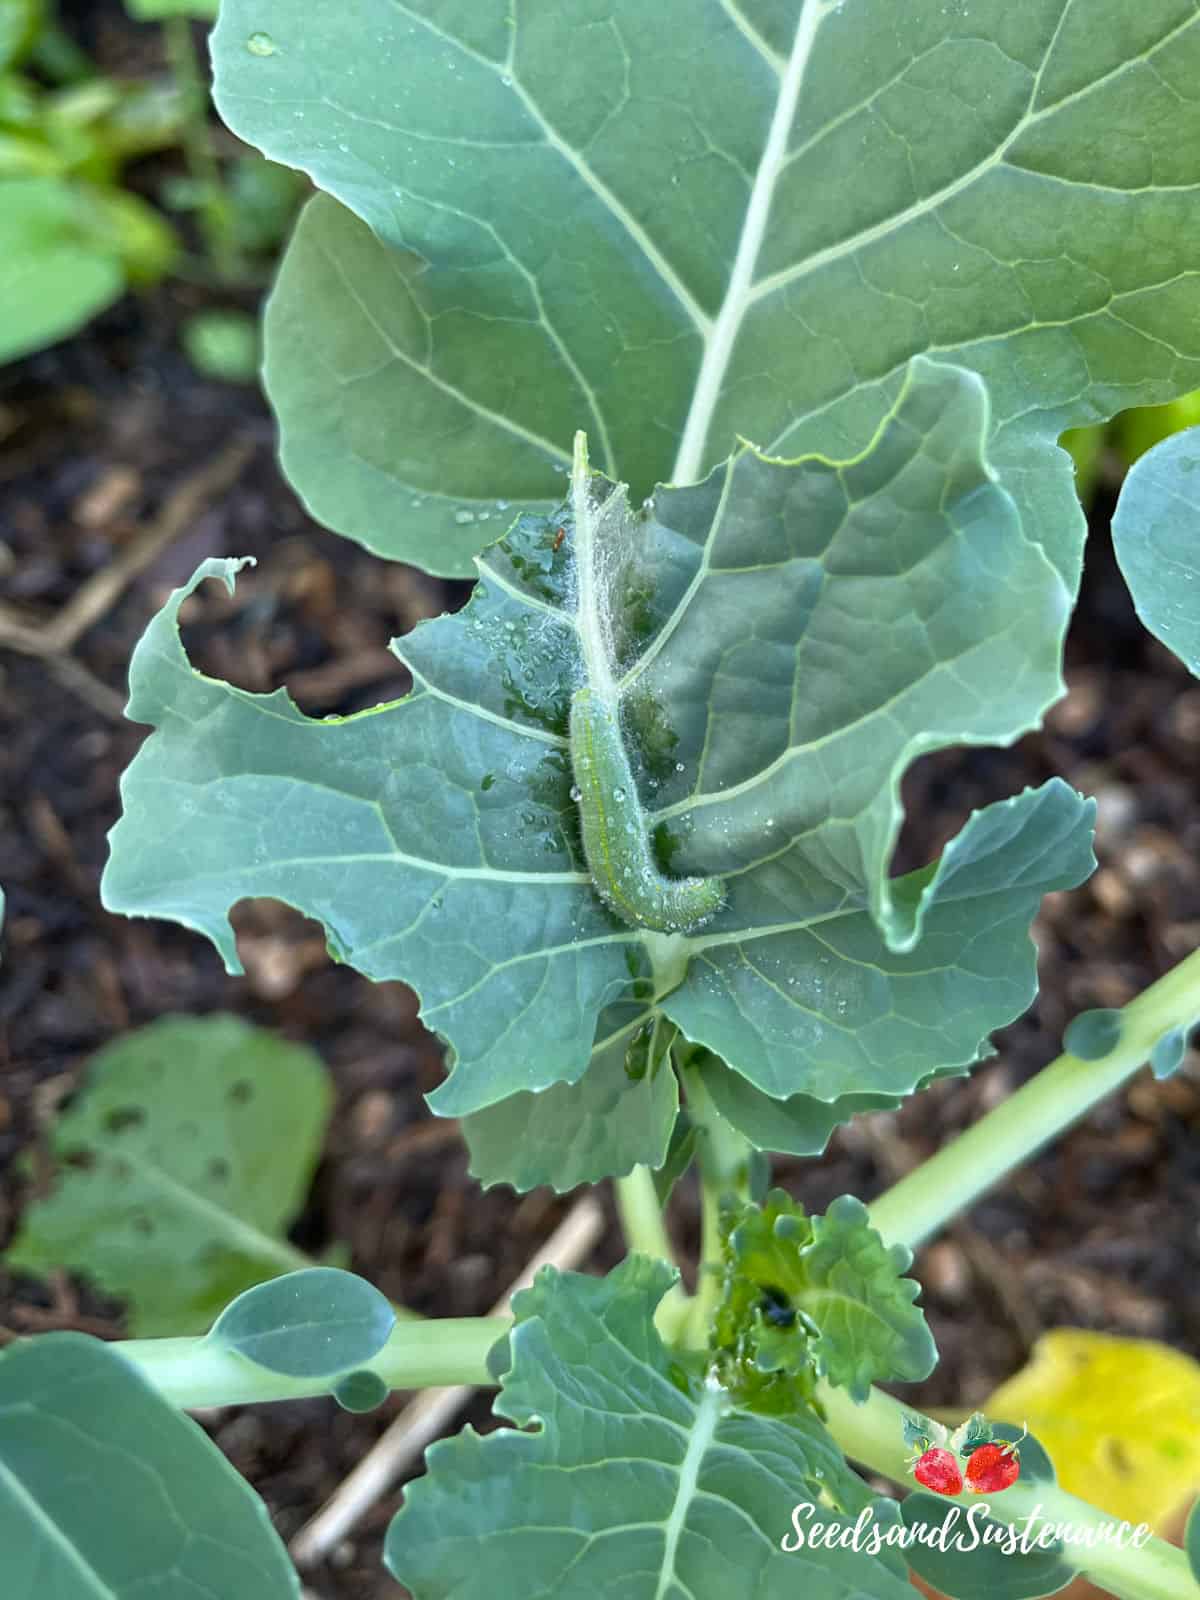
(616, 840)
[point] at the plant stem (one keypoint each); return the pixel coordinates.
(645, 1229)
(724, 1159)
(873, 1434)
(201, 158)
(431, 1353)
(641, 1215)
(948, 1182)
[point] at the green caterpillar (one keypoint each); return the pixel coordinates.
(615, 843)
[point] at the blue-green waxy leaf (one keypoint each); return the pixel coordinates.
(108, 1493)
(1156, 535)
(1093, 1034)
(632, 1477)
(308, 1323)
(185, 1156)
(360, 1391)
(981, 1571)
(678, 223)
(1166, 1057)
(787, 638)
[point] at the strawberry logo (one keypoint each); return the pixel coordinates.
(992, 1464)
(993, 1468)
(938, 1470)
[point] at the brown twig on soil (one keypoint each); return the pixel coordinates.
(424, 1418)
(53, 641)
(93, 599)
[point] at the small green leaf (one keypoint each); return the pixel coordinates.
(1156, 535)
(680, 1152)
(798, 1126)
(222, 345)
(1167, 1055)
(307, 1324)
(360, 1391)
(1093, 1034)
(56, 272)
(157, 10)
(624, 1474)
(181, 1162)
(108, 1493)
(815, 1297)
(576, 1133)
(988, 1572)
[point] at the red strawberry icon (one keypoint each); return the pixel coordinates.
(938, 1470)
(992, 1468)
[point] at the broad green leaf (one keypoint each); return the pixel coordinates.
(187, 1153)
(576, 1133)
(436, 837)
(307, 1324)
(808, 1297)
(633, 1478)
(55, 270)
(1156, 535)
(679, 223)
(108, 1493)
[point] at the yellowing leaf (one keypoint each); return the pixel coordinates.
(1119, 1417)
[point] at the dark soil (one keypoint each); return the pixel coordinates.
(1098, 1232)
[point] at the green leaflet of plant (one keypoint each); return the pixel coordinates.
(106, 1491)
(784, 639)
(311, 1323)
(814, 1297)
(676, 224)
(1156, 528)
(631, 1475)
(185, 1156)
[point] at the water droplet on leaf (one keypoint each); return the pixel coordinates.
(261, 44)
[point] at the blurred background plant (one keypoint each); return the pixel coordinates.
(80, 223)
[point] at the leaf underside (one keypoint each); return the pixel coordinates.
(791, 636)
(679, 224)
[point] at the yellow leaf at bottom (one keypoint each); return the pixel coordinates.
(1120, 1419)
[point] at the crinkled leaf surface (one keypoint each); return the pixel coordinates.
(1156, 535)
(307, 1324)
(108, 1493)
(185, 1156)
(820, 1296)
(790, 636)
(677, 223)
(635, 1478)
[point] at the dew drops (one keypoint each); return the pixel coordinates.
(261, 44)
(679, 766)
(618, 794)
(462, 516)
(501, 505)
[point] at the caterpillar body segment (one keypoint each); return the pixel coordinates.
(616, 844)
